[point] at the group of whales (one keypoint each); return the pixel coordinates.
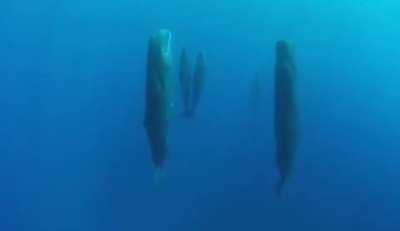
(158, 99)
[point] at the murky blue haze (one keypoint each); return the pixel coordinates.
(73, 150)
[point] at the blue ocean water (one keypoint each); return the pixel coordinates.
(74, 154)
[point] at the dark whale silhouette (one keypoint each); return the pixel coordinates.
(157, 98)
(285, 118)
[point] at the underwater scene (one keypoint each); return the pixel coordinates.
(199, 115)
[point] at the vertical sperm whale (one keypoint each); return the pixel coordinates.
(185, 82)
(285, 118)
(157, 95)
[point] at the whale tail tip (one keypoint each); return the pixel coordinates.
(279, 187)
(158, 176)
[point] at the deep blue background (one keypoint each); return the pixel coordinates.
(74, 155)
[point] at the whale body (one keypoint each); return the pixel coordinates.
(157, 95)
(285, 115)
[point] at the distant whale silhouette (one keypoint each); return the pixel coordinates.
(256, 92)
(185, 83)
(198, 82)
